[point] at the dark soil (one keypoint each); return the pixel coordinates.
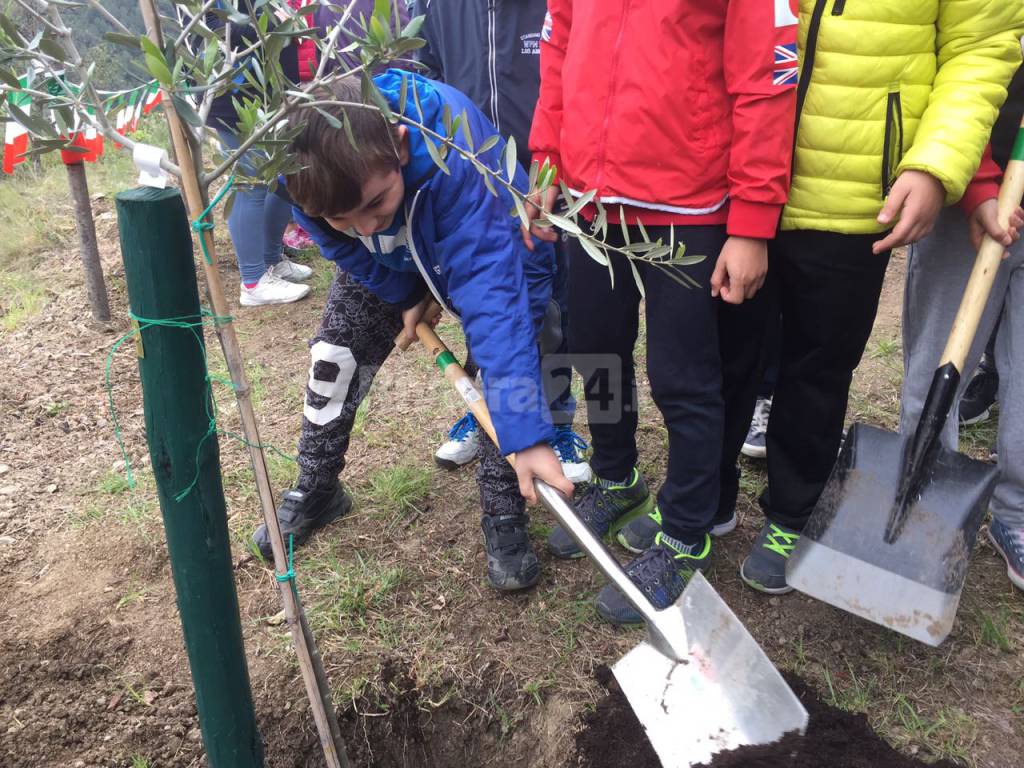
(611, 735)
(835, 738)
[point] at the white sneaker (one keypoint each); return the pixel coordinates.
(286, 269)
(755, 445)
(568, 447)
(271, 290)
(462, 446)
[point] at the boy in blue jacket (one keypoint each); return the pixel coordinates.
(403, 231)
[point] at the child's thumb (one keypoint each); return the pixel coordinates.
(718, 277)
(893, 203)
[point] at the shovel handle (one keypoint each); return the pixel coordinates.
(987, 263)
(552, 499)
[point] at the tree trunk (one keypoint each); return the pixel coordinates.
(87, 248)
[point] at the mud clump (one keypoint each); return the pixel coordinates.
(612, 736)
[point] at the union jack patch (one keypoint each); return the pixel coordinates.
(545, 31)
(786, 66)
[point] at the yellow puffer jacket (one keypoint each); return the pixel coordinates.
(891, 85)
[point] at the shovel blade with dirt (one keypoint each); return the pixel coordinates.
(891, 536)
(700, 683)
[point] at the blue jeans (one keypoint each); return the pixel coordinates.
(257, 221)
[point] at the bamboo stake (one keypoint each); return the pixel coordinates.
(310, 664)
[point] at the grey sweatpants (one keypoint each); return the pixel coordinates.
(937, 271)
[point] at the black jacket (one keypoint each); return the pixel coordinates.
(1005, 130)
(489, 50)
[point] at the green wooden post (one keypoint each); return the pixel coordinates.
(160, 273)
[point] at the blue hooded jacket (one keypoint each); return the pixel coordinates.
(466, 245)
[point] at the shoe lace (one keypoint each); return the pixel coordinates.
(594, 505)
(270, 279)
(462, 428)
(779, 541)
(759, 423)
(568, 445)
(653, 568)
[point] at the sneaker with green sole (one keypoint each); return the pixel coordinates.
(640, 533)
(605, 506)
(661, 573)
(764, 568)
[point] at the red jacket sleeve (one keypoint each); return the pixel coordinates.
(760, 76)
(546, 130)
(985, 184)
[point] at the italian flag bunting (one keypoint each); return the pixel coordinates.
(125, 110)
(15, 134)
(154, 96)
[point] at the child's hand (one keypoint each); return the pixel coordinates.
(411, 318)
(984, 220)
(741, 269)
(916, 199)
(541, 462)
(534, 203)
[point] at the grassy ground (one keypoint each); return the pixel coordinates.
(93, 671)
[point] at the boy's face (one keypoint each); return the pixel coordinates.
(382, 195)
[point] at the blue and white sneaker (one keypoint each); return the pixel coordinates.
(569, 447)
(1009, 542)
(462, 446)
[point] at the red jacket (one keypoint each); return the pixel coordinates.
(307, 50)
(682, 110)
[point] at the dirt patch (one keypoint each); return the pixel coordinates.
(595, 745)
(403, 725)
(834, 738)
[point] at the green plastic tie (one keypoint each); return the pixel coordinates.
(445, 359)
(288, 575)
(192, 324)
(1017, 153)
(201, 225)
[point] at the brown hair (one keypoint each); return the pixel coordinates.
(330, 181)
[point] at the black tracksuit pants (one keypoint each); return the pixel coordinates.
(355, 337)
(827, 287)
(704, 362)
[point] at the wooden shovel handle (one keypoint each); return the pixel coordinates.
(987, 263)
(459, 379)
(433, 310)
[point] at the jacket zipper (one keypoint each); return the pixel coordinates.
(419, 263)
(492, 63)
(611, 92)
(892, 146)
(808, 63)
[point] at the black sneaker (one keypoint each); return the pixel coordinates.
(302, 513)
(661, 573)
(976, 404)
(605, 506)
(764, 568)
(511, 561)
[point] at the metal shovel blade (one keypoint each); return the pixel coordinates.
(700, 683)
(911, 585)
(724, 695)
